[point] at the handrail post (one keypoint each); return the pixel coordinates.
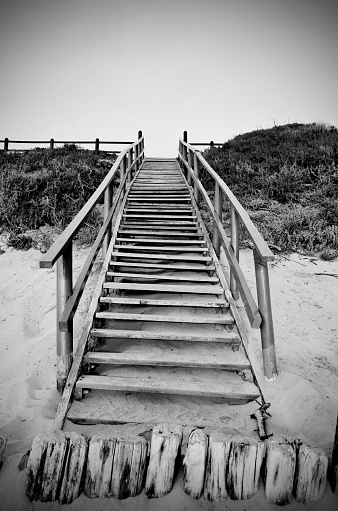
(196, 170)
(264, 306)
(108, 200)
(218, 209)
(6, 142)
(190, 165)
(51, 144)
(64, 340)
(235, 247)
(97, 146)
(130, 161)
(136, 157)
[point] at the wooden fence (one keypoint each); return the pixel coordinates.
(67, 296)
(259, 316)
(51, 143)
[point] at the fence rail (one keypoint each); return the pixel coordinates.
(97, 143)
(259, 316)
(68, 297)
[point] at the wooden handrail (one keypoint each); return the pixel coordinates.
(261, 315)
(60, 252)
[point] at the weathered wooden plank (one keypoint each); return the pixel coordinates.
(166, 288)
(220, 319)
(216, 303)
(180, 381)
(159, 233)
(158, 249)
(169, 257)
(165, 241)
(280, 469)
(159, 226)
(194, 463)
(244, 466)
(217, 460)
(165, 444)
(55, 467)
(311, 471)
(163, 276)
(226, 337)
(159, 266)
(115, 467)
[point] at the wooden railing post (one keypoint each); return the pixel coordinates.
(218, 209)
(190, 165)
(130, 161)
(108, 200)
(212, 144)
(264, 306)
(64, 340)
(51, 143)
(6, 142)
(235, 247)
(196, 170)
(97, 146)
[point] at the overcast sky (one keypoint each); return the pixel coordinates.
(81, 69)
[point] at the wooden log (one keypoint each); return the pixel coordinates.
(165, 444)
(334, 475)
(279, 471)
(194, 463)
(115, 468)
(215, 476)
(244, 466)
(55, 467)
(311, 471)
(3, 443)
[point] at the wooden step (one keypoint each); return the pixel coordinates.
(167, 257)
(165, 288)
(159, 210)
(141, 232)
(219, 319)
(188, 267)
(159, 353)
(214, 304)
(161, 248)
(112, 333)
(161, 276)
(192, 382)
(161, 217)
(159, 227)
(161, 240)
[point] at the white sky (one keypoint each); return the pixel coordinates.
(81, 69)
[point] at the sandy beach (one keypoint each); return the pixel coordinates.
(304, 398)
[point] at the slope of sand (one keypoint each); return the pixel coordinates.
(304, 399)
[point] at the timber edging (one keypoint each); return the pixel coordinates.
(63, 465)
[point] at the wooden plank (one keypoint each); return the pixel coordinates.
(226, 337)
(220, 319)
(167, 288)
(74, 468)
(160, 249)
(215, 475)
(194, 463)
(158, 266)
(115, 467)
(180, 354)
(161, 240)
(280, 469)
(183, 211)
(159, 227)
(161, 217)
(165, 444)
(167, 303)
(162, 276)
(178, 381)
(311, 472)
(162, 257)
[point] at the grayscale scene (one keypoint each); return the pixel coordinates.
(168, 255)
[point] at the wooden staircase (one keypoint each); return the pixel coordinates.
(162, 324)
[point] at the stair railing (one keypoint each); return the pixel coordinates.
(67, 295)
(259, 316)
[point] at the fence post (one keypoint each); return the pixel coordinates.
(190, 165)
(51, 143)
(212, 144)
(64, 340)
(108, 199)
(218, 209)
(235, 247)
(196, 170)
(264, 306)
(6, 142)
(97, 146)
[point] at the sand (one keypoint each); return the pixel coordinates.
(304, 398)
